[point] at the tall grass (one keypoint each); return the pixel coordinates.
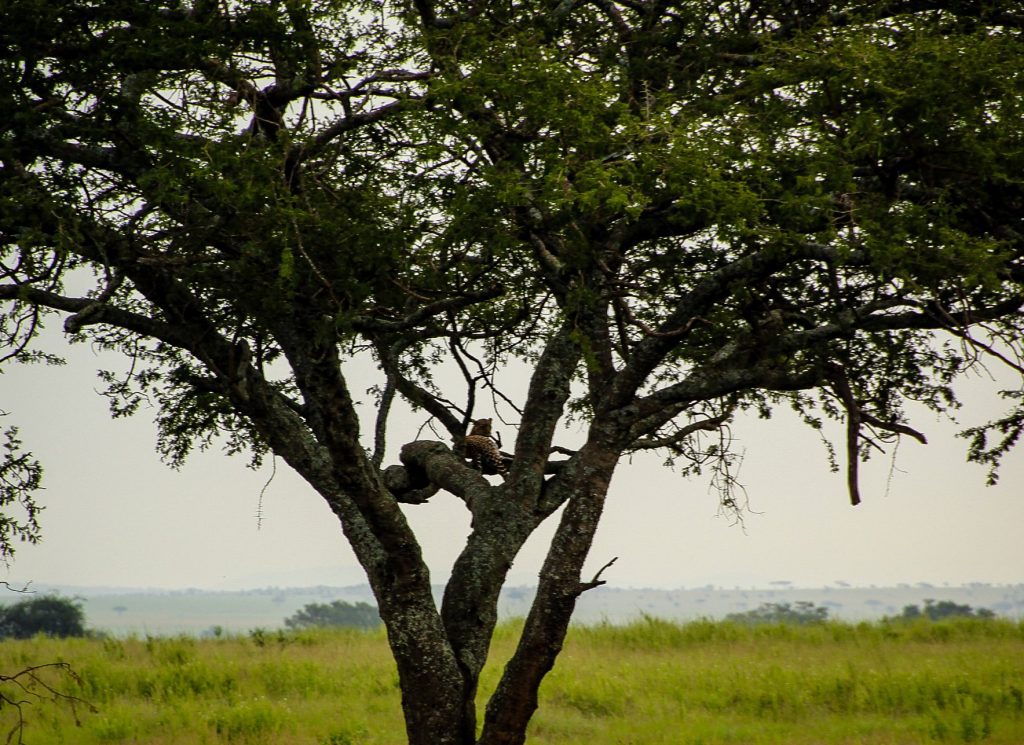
(647, 682)
(658, 682)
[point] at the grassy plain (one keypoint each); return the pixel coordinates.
(650, 682)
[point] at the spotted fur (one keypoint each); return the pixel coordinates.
(482, 450)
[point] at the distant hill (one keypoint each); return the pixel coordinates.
(843, 603)
(190, 611)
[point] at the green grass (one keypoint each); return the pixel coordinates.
(649, 682)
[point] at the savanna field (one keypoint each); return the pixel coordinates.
(647, 682)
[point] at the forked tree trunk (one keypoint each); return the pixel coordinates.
(515, 700)
(439, 670)
(440, 657)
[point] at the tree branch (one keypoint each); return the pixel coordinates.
(596, 581)
(370, 325)
(549, 390)
(89, 311)
(414, 393)
(673, 440)
(28, 682)
(429, 461)
(855, 418)
(300, 153)
(658, 342)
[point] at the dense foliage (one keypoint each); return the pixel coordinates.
(669, 211)
(337, 613)
(50, 615)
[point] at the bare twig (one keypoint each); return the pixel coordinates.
(7, 586)
(30, 687)
(963, 333)
(673, 440)
(623, 308)
(259, 505)
(596, 581)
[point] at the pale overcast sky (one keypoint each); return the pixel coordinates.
(116, 516)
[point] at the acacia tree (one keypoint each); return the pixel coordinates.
(670, 211)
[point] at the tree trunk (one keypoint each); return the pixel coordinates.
(433, 692)
(515, 700)
(469, 610)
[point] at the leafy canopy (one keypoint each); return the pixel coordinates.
(423, 188)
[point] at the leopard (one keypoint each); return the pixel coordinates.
(482, 449)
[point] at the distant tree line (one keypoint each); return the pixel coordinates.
(804, 612)
(339, 613)
(801, 612)
(936, 610)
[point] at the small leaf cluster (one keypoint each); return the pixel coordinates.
(20, 476)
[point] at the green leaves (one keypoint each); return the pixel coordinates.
(20, 476)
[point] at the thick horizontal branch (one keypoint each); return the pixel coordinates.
(874, 317)
(51, 143)
(429, 461)
(732, 369)
(714, 381)
(409, 485)
(90, 311)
